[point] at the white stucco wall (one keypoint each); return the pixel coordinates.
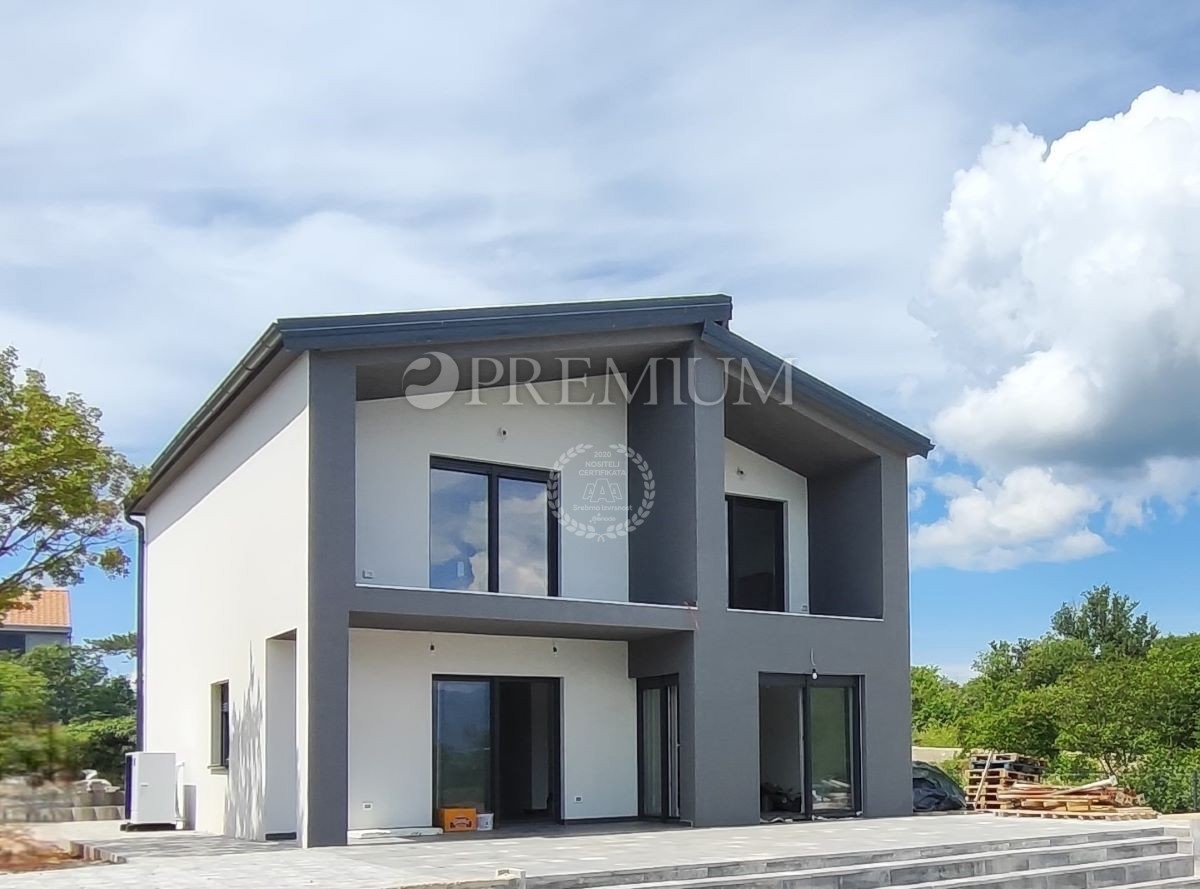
(768, 480)
(391, 717)
(227, 568)
(396, 439)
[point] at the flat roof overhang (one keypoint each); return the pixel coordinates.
(504, 614)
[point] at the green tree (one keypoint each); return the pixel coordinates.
(23, 696)
(1105, 622)
(80, 688)
(101, 744)
(1025, 723)
(1009, 705)
(1107, 711)
(124, 644)
(61, 488)
(935, 699)
(1048, 660)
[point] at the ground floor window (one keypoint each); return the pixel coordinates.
(809, 746)
(220, 725)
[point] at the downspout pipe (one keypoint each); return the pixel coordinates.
(139, 661)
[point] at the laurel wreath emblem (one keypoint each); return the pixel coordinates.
(587, 530)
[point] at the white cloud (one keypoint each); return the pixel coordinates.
(1067, 290)
(1029, 516)
(174, 177)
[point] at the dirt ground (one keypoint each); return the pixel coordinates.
(20, 852)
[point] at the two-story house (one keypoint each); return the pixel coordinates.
(600, 560)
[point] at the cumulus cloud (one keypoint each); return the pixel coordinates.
(1066, 289)
(1028, 516)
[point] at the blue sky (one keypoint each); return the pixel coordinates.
(979, 218)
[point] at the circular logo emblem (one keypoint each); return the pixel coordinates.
(591, 493)
(430, 387)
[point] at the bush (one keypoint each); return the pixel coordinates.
(937, 736)
(1073, 768)
(101, 744)
(1165, 777)
(956, 767)
(42, 750)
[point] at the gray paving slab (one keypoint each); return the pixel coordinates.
(201, 861)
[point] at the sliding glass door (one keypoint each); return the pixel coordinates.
(808, 746)
(832, 731)
(497, 746)
(462, 744)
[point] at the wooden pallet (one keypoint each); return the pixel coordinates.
(1134, 813)
(1018, 770)
(997, 758)
(997, 773)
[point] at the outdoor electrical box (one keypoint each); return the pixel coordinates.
(150, 787)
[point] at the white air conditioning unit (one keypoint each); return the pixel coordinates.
(150, 785)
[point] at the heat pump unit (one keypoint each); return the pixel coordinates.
(150, 787)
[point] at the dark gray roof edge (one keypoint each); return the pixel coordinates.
(430, 326)
(834, 400)
(498, 322)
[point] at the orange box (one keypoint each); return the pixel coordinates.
(451, 820)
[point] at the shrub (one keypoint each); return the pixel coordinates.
(1166, 779)
(100, 744)
(937, 736)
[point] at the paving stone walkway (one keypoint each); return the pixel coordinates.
(201, 861)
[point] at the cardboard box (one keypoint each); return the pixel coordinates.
(451, 820)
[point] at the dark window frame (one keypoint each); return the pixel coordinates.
(805, 683)
(220, 730)
(555, 683)
(669, 785)
(494, 472)
(777, 507)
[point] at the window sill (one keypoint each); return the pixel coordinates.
(218, 770)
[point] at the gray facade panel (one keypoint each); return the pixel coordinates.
(662, 558)
(845, 561)
(325, 669)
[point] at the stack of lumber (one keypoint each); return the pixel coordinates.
(1099, 800)
(989, 773)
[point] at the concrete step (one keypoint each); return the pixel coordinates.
(1086, 865)
(999, 855)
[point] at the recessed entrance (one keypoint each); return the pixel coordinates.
(496, 747)
(808, 747)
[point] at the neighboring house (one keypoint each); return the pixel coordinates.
(44, 619)
(369, 590)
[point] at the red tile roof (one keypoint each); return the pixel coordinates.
(52, 608)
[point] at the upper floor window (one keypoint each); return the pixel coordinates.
(756, 545)
(491, 528)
